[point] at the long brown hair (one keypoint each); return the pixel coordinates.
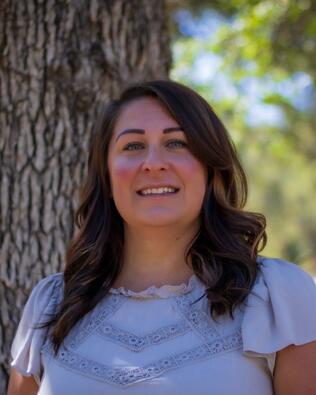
(223, 253)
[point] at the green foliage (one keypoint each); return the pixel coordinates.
(256, 70)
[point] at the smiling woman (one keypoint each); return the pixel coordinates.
(164, 291)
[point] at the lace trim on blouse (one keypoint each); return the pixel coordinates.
(126, 376)
(138, 343)
(212, 343)
(95, 320)
(165, 291)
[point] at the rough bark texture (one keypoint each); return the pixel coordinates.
(58, 60)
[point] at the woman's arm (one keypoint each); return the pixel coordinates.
(21, 385)
(295, 370)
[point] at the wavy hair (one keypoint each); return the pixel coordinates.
(223, 253)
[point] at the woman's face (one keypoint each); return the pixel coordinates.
(148, 153)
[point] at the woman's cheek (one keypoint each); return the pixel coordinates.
(122, 170)
(190, 165)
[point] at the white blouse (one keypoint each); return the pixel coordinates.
(159, 342)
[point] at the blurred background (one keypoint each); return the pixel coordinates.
(255, 62)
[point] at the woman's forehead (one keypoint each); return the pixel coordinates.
(142, 112)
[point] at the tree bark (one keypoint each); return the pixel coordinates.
(58, 61)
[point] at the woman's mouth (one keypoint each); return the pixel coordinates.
(156, 192)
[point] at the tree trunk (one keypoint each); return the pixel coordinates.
(59, 59)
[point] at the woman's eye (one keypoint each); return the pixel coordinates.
(132, 146)
(177, 143)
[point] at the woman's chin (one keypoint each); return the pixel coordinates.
(157, 220)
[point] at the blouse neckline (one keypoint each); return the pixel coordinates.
(162, 292)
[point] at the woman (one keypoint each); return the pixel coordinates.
(163, 290)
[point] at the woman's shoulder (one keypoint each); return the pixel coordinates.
(43, 299)
(51, 280)
(26, 345)
(281, 266)
(281, 278)
(48, 289)
(281, 307)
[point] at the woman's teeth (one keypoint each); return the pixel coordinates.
(157, 191)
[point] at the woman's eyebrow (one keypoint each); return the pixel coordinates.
(142, 131)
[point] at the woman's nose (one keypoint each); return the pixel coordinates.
(155, 160)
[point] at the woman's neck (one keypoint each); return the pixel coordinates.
(155, 258)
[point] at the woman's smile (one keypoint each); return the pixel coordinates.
(157, 191)
(157, 195)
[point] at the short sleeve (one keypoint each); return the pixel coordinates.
(280, 310)
(27, 343)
